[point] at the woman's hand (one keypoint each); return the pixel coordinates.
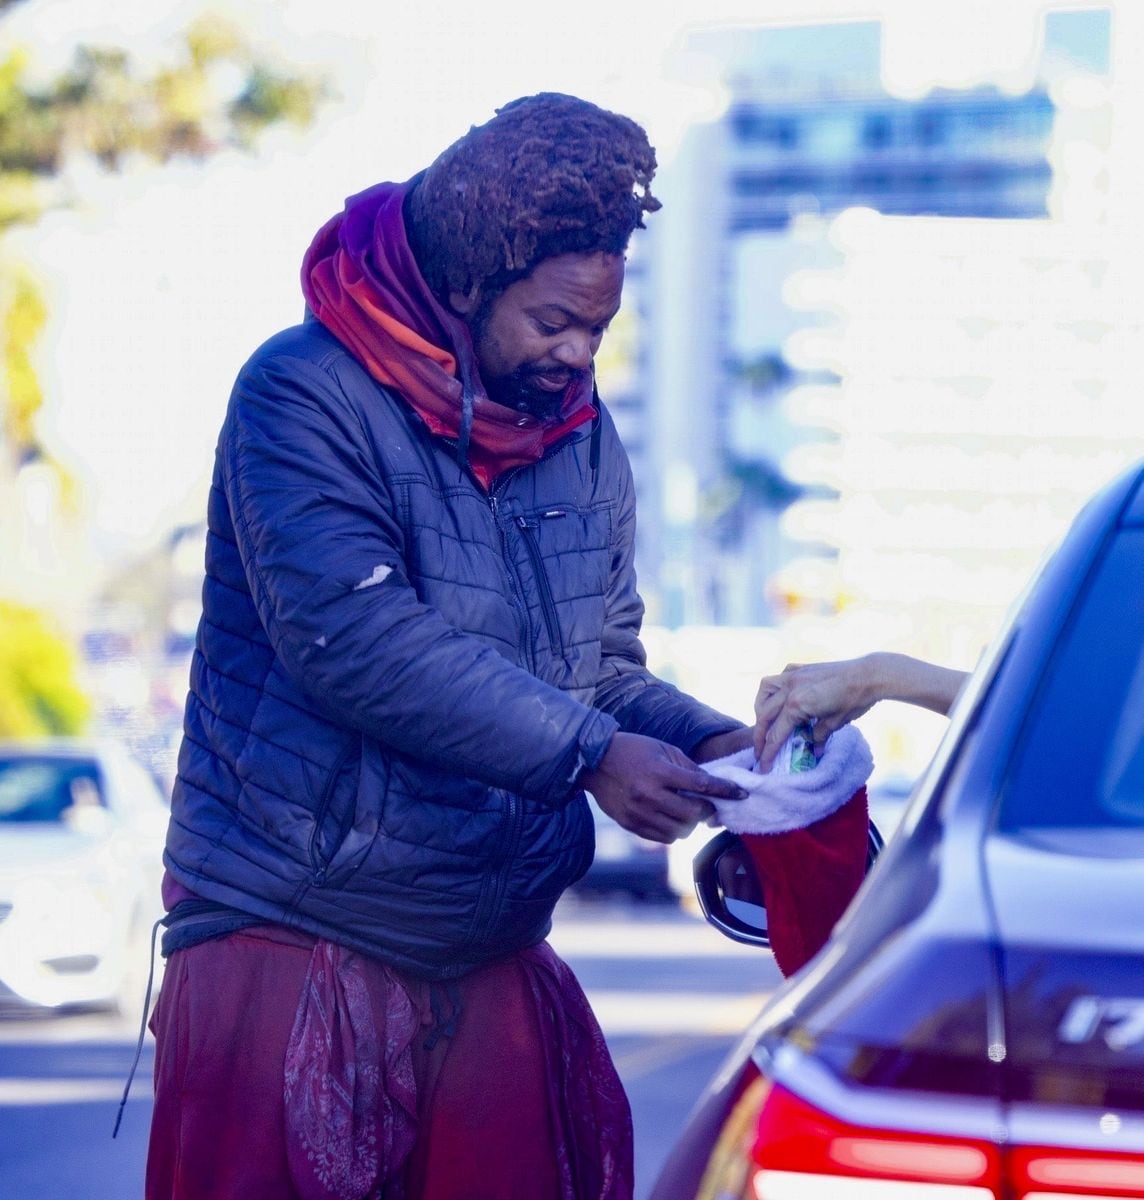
(829, 694)
(834, 694)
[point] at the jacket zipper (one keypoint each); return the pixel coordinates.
(517, 591)
(494, 893)
(322, 868)
(547, 603)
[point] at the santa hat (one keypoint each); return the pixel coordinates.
(806, 833)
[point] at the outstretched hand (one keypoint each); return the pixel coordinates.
(653, 789)
(828, 694)
(835, 693)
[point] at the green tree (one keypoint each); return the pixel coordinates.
(107, 108)
(103, 106)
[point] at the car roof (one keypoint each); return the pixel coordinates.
(1134, 510)
(60, 747)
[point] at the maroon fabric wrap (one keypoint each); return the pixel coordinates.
(362, 282)
(809, 877)
(292, 1068)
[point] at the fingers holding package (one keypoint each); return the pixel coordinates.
(824, 696)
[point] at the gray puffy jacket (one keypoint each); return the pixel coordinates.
(398, 676)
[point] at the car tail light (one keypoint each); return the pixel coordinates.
(1049, 1172)
(803, 1152)
(774, 1145)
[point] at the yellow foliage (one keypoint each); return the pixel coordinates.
(22, 325)
(39, 693)
(21, 198)
(182, 95)
(11, 71)
(211, 38)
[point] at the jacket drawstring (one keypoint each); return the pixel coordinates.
(142, 1026)
(597, 422)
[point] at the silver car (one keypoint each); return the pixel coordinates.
(81, 839)
(974, 1028)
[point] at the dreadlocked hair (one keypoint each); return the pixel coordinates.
(549, 174)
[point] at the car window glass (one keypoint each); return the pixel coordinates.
(1080, 764)
(45, 789)
(1123, 780)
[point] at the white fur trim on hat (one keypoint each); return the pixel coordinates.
(778, 802)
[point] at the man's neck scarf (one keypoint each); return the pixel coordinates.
(362, 282)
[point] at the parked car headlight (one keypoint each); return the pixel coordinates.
(58, 915)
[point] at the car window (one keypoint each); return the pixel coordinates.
(1080, 764)
(44, 789)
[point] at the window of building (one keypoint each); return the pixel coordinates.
(877, 131)
(930, 127)
(751, 126)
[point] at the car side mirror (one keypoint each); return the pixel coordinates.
(732, 896)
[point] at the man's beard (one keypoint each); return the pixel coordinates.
(519, 391)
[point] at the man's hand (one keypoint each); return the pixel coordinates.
(653, 789)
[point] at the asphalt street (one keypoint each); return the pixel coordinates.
(671, 994)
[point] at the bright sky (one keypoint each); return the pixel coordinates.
(168, 278)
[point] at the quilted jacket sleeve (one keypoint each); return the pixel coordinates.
(321, 548)
(639, 701)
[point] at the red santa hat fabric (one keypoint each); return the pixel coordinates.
(806, 833)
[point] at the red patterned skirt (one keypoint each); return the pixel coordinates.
(293, 1069)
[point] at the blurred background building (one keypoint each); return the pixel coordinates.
(877, 347)
(892, 343)
(810, 131)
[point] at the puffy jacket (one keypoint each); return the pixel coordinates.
(399, 676)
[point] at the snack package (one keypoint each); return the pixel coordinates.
(797, 753)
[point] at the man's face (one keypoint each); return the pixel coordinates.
(542, 332)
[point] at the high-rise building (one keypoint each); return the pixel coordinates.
(809, 131)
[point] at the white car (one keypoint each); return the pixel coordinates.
(82, 827)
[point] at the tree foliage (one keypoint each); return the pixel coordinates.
(213, 92)
(107, 109)
(20, 327)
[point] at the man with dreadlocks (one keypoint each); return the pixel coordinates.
(419, 645)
